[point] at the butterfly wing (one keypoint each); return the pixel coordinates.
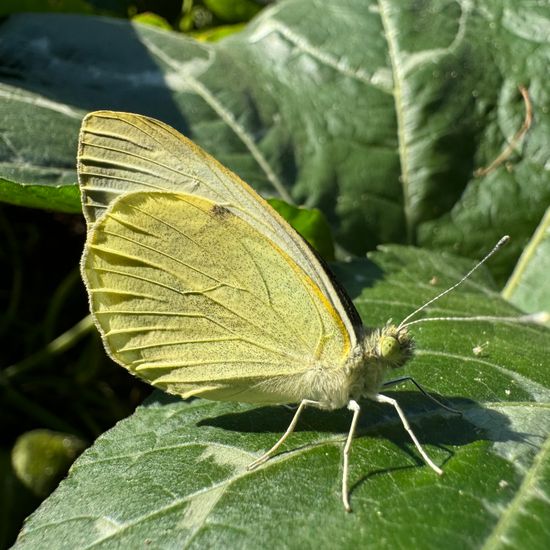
(195, 300)
(121, 152)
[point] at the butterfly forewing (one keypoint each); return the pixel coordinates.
(121, 153)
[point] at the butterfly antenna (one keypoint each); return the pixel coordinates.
(497, 247)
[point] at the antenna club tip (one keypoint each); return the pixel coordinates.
(503, 241)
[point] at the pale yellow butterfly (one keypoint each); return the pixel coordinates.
(199, 287)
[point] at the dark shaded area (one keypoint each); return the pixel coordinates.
(79, 392)
(346, 273)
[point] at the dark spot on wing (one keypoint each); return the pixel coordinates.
(220, 211)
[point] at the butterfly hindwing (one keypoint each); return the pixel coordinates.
(195, 300)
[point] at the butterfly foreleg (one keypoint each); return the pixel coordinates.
(267, 455)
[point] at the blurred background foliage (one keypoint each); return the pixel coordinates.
(203, 19)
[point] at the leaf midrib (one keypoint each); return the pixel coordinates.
(515, 280)
(525, 491)
(390, 33)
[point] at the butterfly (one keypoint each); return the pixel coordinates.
(199, 287)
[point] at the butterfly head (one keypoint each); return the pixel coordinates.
(392, 346)
(382, 350)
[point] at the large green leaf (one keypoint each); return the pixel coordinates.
(174, 474)
(377, 112)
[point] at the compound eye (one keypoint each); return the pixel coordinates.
(389, 347)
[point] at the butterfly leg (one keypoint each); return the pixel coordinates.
(289, 430)
(390, 383)
(352, 406)
(384, 399)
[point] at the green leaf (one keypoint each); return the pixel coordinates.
(376, 112)
(104, 7)
(40, 458)
(153, 19)
(62, 198)
(18, 6)
(217, 33)
(310, 223)
(174, 474)
(529, 285)
(233, 11)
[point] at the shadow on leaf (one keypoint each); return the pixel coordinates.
(431, 424)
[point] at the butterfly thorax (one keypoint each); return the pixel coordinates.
(381, 351)
(362, 375)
